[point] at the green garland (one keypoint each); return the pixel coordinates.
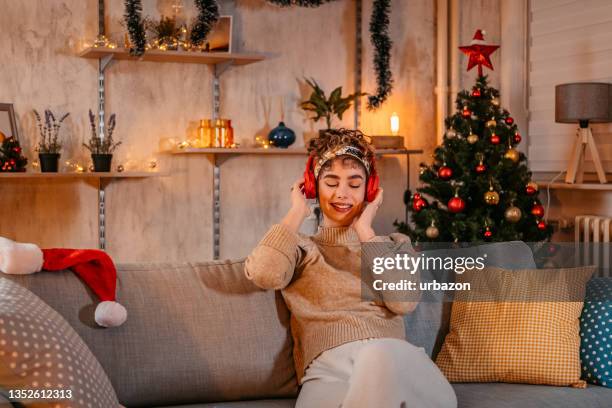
(301, 3)
(379, 31)
(135, 26)
(379, 36)
(207, 17)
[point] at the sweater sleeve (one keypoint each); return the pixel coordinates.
(398, 242)
(272, 263)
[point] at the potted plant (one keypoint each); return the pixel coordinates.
(49, 146)
(101, 148)
(327, 107)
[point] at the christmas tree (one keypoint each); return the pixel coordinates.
(11, 158)
(479, 187)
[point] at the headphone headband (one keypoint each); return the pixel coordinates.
(341, 151)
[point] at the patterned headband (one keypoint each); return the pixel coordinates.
(344, 150)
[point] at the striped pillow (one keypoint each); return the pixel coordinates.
(533, 342)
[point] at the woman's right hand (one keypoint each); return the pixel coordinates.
(298, 199)
(299, 207)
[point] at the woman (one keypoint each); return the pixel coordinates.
(347, 352)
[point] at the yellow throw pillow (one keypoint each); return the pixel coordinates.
(517, 326)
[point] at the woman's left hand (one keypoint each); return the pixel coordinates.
(363, 222)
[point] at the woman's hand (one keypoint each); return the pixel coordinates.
(299, 207)
(363, 223)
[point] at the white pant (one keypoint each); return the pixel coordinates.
(375, 373)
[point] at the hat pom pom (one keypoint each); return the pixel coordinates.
(110, 314)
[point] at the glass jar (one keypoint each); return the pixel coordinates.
(230, 134)
(205, 133)
(220, 133)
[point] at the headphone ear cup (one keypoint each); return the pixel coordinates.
(372, 187)
(310, 183)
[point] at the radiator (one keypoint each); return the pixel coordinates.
(592, 241)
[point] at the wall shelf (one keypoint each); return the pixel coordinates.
(225, 153)
(103, 179)
(575, 186)
(189, 57)
(277, 151)
(86, 175)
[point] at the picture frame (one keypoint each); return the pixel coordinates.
(220, 37)
(8, 124)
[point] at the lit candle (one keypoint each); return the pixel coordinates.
(394, 124)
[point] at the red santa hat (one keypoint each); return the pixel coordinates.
(478, 37)
(93, 266)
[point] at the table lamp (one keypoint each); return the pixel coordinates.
(583, 103)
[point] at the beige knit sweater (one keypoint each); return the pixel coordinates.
(320, 280)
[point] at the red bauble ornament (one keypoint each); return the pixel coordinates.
(531, 188)
(445, 173)
(495, 139)
(481, 168)
(517, 138)
(509, 120)
(419, 203)
(542, 226)
(488, 233)
(466, 112)
(476, 93)
(537, 210)
(456, 204)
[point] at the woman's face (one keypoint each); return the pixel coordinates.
(341, 191)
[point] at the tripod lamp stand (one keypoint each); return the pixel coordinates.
(583, 103)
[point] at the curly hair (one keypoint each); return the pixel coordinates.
(333, 138)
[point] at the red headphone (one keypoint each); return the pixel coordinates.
(310, 181)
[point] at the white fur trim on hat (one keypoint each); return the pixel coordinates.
(110, 314)
(19, 258)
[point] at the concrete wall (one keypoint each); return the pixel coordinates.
(169, 218)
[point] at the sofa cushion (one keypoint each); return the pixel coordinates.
(596, 333)
(195, 332)
(500, 395)
(40, 352)
(428, 325)
(516, 326)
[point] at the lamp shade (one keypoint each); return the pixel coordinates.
(586, 101)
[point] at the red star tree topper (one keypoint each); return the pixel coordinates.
(479, 52)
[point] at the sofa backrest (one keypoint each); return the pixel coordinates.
(196, 332)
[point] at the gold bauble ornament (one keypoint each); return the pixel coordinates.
(491, 197)
(472, 138)
(491, 123)
(513, 214)
(495, 101)
(513, 155)
(2, 137)
(432, 232)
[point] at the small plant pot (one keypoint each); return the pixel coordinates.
(102, 162)
(48, 162)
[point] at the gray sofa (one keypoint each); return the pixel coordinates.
(202, 335)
